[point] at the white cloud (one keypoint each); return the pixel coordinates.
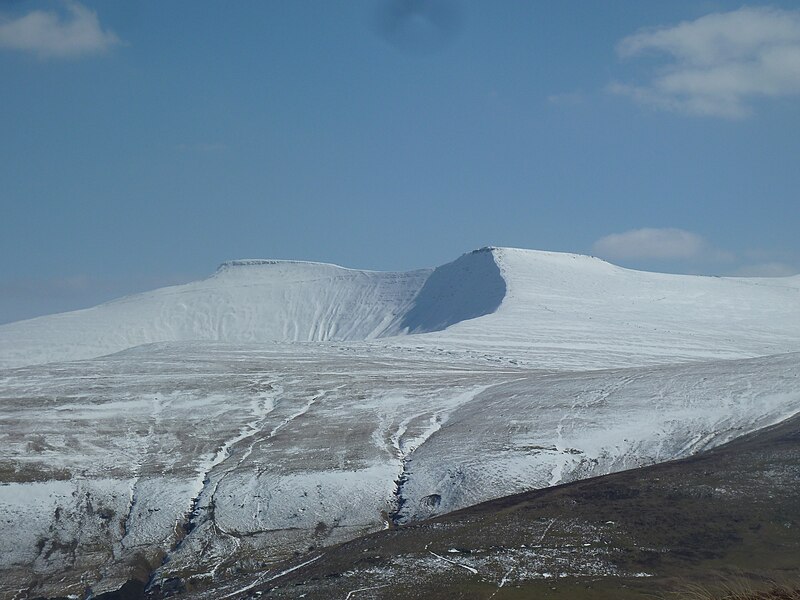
(719, 63)
(48, 35)
(659, 244)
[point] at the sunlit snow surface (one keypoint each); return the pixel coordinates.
(537, 368)
(549, 309)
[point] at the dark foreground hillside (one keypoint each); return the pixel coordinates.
(731, 514)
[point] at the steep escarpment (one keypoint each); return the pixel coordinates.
(469, 287)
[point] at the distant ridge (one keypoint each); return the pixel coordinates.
(546, 308)
(266, 300)
(261, 262)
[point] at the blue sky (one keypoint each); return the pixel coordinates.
(143, 143)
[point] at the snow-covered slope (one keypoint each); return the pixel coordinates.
(228, 442)
(218, 456)
(244, 301)
(543, 308)
(579, 312)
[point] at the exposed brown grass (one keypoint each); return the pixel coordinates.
(739, 590)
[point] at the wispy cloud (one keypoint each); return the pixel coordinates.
(24, 298)
(52, 35)
(659, 244)
(718, 64)
(691, 253)
(768, 269)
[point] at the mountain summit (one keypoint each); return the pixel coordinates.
(526, 301)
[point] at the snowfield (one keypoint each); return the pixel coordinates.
(279, 406)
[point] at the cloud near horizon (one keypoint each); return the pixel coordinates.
(50, 35)
(657, 244)
(769, 269)
(28, 297)
(719, 63)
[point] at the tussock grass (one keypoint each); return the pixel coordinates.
(739, 589)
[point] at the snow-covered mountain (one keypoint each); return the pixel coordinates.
(536, 306)
(244, 301)
(278, 406)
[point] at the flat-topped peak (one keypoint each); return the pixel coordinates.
(532, 252)
(265, 262)
(495, 251)
(266, 265)
(524, 258)
(542, 253)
